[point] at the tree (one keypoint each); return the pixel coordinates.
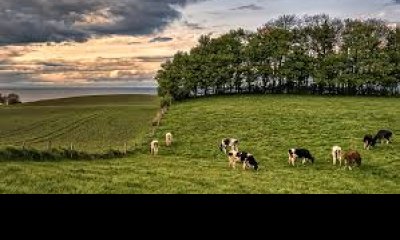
(363, 45)
(284, 55)
(393, 52)
(12, 99)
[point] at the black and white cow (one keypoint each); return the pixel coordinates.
(381, 136)
(299, 153)
(368, 141)
(229, 142)
(245, 158)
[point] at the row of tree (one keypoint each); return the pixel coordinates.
(312, 55)
(9, 99)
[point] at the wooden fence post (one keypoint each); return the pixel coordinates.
(72, 148)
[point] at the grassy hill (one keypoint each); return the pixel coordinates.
(266, 126)
(92, 124)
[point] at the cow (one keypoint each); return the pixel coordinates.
(245, 158)
(154, 147)
(368, 141)
(229, 142)
(337, 155)
(351, 158)
(381, 136)
(299, 153)
(168, 139)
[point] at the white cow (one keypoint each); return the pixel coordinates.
(337, 155)
(154, 147)
(168, 139)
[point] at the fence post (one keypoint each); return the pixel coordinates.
(23, 145)
(125, 148)
(72, 148)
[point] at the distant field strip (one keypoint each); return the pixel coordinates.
(90, 124)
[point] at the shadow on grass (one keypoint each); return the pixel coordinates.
(31, 154)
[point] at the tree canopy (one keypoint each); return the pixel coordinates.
(313, 54)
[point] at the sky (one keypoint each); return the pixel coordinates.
(121, 43)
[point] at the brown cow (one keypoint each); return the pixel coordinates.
(351, 158)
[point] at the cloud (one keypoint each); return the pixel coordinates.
(248, 7)
(87, 72)
(151, 59)
(36, 21)
(161, 39)
(193, 26)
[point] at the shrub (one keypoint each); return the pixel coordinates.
(166, 101)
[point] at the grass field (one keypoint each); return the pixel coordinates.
(266, 126)
(92, 124)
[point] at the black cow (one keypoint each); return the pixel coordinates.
(368, 141)
(299, 153)
(381, 136)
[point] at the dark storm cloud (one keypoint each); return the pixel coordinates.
(23, 21)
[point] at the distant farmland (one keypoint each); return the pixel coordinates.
(91, 124)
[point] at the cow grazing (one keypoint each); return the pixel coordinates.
(229, 142)
(245, 158)
(299, 153)
(168, 139)
(233, 158)
(154, 147)
(368, 141)
(337, 155)
(382, 135)
(352, 158)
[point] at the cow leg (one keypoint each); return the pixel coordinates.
(304, 161)
(244, 165)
